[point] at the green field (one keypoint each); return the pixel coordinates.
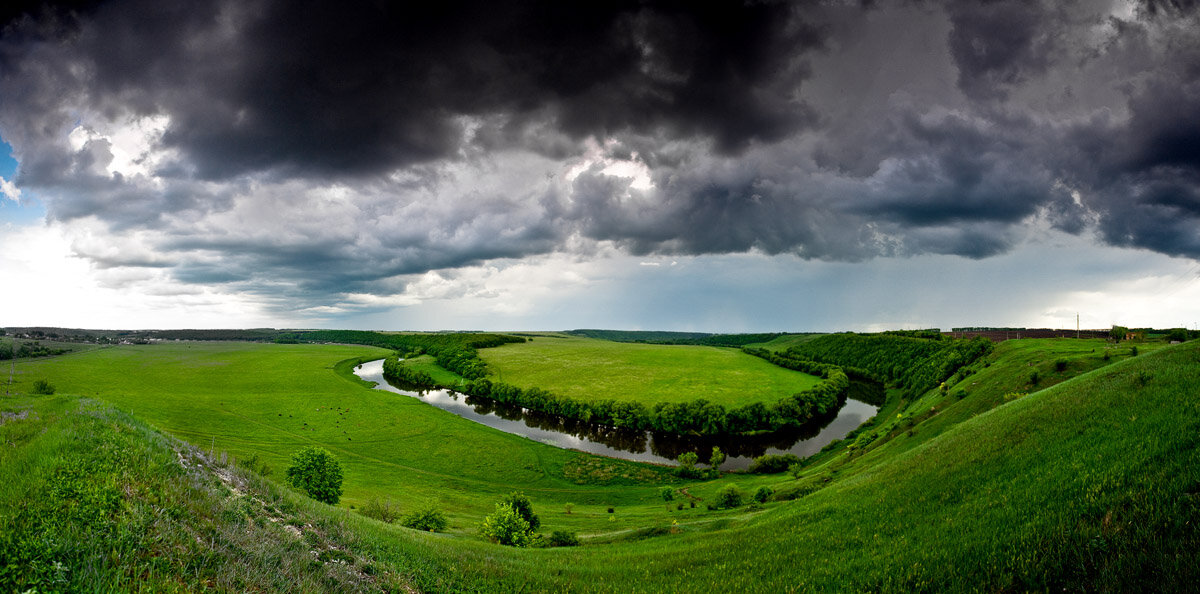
(590, 369)
(1087, 480)
(267, 400)
(785, 342)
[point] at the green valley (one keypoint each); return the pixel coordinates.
(1081, 477)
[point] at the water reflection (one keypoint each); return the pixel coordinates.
(643, 446)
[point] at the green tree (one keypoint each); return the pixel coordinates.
(1118, 333)
(687, 464)
(316, 472)
(505, 526)
(524, 507)
(717, 458)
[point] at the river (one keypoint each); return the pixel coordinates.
(642, 446)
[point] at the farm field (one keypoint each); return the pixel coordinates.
(586, 368)
(1083, 480)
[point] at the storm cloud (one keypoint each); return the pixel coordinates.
(319, 149)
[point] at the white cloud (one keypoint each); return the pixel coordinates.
(10, 190)
(45, 283)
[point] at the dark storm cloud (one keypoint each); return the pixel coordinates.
(998, 45)
(333, 88)
(331, 148)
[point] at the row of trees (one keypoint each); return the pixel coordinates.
(693, 417)
(394, 369)
(29, 349)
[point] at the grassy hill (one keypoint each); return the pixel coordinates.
(1088, 480)
(585, 368)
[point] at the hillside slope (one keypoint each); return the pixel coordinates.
(94, 500)
(1090, 485)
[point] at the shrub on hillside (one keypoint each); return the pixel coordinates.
(687, 465)
(428, 518)
(381, 510)
(730, 496)
(43, 387)
(316, 472)
(505, 526)
(667, 493)
(523, 506)
(563, 538)
(763, 494)
(772, 463)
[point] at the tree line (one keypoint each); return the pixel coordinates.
(28, 350)
(456, 351)
(699, 416)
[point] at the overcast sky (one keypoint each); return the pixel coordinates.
(644, 165)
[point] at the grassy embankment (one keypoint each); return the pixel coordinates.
(1091, 484)
(586, 368)
(94, 500)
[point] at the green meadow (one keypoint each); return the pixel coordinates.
(587, 368)
(1085, 478)
(265, 401)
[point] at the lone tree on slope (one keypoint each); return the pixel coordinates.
(315, 471)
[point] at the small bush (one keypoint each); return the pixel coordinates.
(568, 507)
(428, 519)
(1060, 365)
(960, 393)
(1034, 378)
(43, 387)
(381, 510)
(1107, 356)
(1143, 377)
(772, 463)
(795, 469)
(730, 496)
(763, 494)
(667, 494)
(505, 526)
(1133, 351)
(612, 510)
(563, 538)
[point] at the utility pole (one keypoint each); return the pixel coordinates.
(1076, 325)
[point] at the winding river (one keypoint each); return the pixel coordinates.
(644, 446)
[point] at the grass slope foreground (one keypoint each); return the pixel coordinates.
(1090, 485)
